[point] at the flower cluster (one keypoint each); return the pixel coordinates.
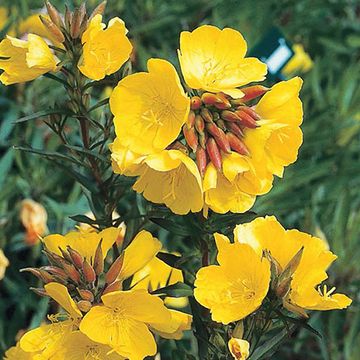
(237, 141)
(102, 318)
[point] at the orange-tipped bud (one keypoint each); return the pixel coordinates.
(72, 273)
(210, 99)
(250, 111)
(229, 116)
(115, 286)
(100, 9)
(236, 144)
(246, 120)
(252, 92)
(190, 123)
(99, 259)
(76, 258)
(201, 160)
(199, 124)
(223, 142)
(225, 103)
(114, 270)
(55, 31)
(195, 103)
(54, 14)
(206, 115)
(191, 137)
(84, 305)
(214, 153)
(39, 291)
(213, 129)
(234, 128)
(86, 294)
(89, 272)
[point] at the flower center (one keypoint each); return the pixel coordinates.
(92, 353)
(325, 292)
(217, 124)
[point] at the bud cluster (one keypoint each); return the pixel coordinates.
(216, 125)
(86, 280)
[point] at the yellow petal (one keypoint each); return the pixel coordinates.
(39, 55)
(16, 353)
(181, 321)
(61, 295)
(156, 108)
(239, 348)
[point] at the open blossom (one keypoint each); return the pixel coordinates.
(33, 217)
(25, 60)
(237, 141)
(104, 50)
(304, 291)
(237, 286)
(239, 348)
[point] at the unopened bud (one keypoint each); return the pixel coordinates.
(34, 271)
(100, 9)
(46, 277)
(223, 142)
(77, 19)
(202, 140)
(86, 294)
(213, 129)
(237, 145)
(250, 111)
(65, 255)
(206, 115)
(68, 18)
(238, 332)
(191, 137)
(99, 260)
(229, 116)
(199, 124)
(221, 124)
(76, 258)
(115, 286)
(39, 291)
(54, 270)
(89, 272)
(214, 153)
(84, 305)
(114, 270)
(54, 14)
(54, 30)
(195, 103)
(246, 120)
(72, 273)
(190, 123)
(225, 103)
(201, 160)
(234, 128)
(252, 92)
(86, 100)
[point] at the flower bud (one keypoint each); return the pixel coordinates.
(214, 153)
(252, 92)
(250, 111)
(225, 103)
(84, 305)
(76, 258)
(86, 294)
(89, 272)
(190, 123)
(100, 9)
(206, 115)
(246, 120)
(229, 116)
(54, 30)
(191, 137)
(68, 18)
(72, 273)
(39, 291)
(199, 124)
(223, 142)
(210, 99)
(221, 124)
(77, 19)
(202, 140)
(54, 270)
(115, 286)
(237, 145)
(114, 270)
(195, 103)
(99, 259)
(54, 14)
(201, 160)
(234, 128)
(34, 271)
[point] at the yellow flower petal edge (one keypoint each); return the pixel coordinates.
(214, 60)
(149, 108)
(181, 321)
(239, 348)
(104, 50)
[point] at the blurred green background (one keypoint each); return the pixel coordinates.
(320, 193)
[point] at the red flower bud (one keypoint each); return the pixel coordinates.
(89, 272)
(236, 144)
(252, 92)
(246, 120)
(223, 142)
(199, 124)
(195, 103)
(214, 153)
(114, 270)
(191, 137)
(201, 160)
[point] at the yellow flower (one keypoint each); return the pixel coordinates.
(237, 286)
(16, 353)
(172, 178)
(33, 217)
(214, 60)
(149, 108)
(300, 63)
(78, 346)
(157, 274)
(276, 142)
(83, 241)
(123, 322)
(239, 348)
(26, 61)
(4, 263)
(104, 50)
(267, 234)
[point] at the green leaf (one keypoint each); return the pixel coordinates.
(5, 165)
(169, 259)
(42, 114)
(173, 227)
(178, 289)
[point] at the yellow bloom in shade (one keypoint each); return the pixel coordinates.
(300, 63)
(276, 142)
(157, 274)
(172, 178)
(78, 346)
(214, 60)
(26, 61)
(33, 217)
(123, 322)
(61, 295)
(267, 234)
(149, 108)
(4, 263)
(85, 241)
(16, 353)
(239, 348)
(104, 50)
(237, 286)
